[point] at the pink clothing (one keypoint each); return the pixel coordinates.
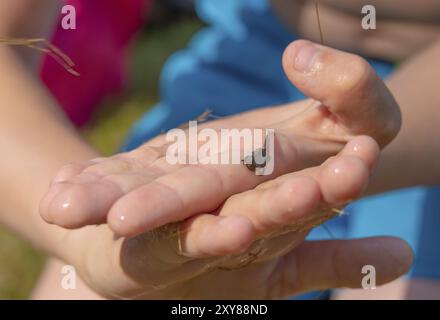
(98, 47)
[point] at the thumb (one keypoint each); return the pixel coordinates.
(347, 85)
(339, 263)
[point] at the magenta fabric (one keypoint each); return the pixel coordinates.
(98, 47)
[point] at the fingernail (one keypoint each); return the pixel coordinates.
(303, 56)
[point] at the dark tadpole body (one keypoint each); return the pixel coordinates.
(257, 159)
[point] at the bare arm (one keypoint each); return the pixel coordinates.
(35, 138)
(403, 27)
(413, 157)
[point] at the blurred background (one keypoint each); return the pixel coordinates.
(111, 96)
(171, 25)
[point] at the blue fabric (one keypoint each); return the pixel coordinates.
(234, 65)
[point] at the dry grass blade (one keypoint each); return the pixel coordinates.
(321, 36)
(313, 104)
(42, 45)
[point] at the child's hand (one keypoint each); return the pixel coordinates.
(215, 252)
(285, 207)
(138, 191)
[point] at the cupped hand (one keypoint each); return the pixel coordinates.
(252, 248)
(138, 191)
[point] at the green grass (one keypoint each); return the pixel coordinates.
(20, 265)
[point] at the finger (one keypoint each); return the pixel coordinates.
(81, 200)
(313, 265)
(301, 199)
(363, 148)
(317, 265)
(82, 194)
(253, 214)
(347, 85)
(69, 171)
(293, 200)
(208, 235)
(298, 200)
(190, 190)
